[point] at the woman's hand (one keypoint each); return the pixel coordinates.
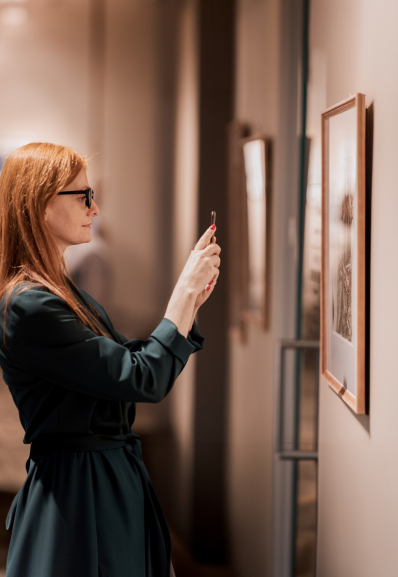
(206, 292)
(202, 268)
(199, 273)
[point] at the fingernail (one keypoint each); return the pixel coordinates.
(213, 226)
(208, 288)
(211, 282)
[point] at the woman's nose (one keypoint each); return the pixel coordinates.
(94, 210)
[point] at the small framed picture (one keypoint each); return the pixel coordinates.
(256, 162)
(343, 277)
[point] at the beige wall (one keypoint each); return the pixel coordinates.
(250, 458)
(358, 469)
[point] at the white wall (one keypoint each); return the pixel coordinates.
(358, 469)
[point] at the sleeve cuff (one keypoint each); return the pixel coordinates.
(166, 334)
(195, 337)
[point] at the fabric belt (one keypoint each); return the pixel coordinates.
(92, 442)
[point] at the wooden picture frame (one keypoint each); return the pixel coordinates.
(256, 154)
(343, 276)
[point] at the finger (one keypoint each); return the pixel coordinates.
(205, 238)
(211, 285)
(216, 261)
(212, 240)
(212, 249)
(213, 280)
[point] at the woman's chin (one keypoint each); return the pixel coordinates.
(86, 237)
(82, 239)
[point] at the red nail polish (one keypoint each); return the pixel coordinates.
(211, 282)
(213, 226)
(208, 288)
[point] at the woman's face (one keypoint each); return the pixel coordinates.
(68, 217)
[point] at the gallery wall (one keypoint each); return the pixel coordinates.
(353, 49)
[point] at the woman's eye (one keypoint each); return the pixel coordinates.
(83, 197)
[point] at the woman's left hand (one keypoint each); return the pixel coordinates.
(204, 295)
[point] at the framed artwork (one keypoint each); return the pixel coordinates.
(236, 130)
(256, 152)
(343, 280)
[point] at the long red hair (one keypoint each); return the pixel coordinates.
(31, 176)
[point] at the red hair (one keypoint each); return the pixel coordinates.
(31, 176)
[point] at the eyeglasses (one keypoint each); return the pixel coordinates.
(88, 192)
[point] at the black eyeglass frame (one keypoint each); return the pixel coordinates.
(89, 192)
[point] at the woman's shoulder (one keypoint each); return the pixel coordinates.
(27, 297)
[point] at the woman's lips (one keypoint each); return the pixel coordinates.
(87, 226)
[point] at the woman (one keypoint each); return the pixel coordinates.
(87, 507)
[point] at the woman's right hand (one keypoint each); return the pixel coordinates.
(202, 265)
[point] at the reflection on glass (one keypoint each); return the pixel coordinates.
(254, 158)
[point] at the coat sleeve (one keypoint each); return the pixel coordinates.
(47, 339)
(194, 337)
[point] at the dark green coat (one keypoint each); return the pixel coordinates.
(87, 507)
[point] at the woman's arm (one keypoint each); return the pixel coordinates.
(180, 308)
(195, 310)
(47, 341)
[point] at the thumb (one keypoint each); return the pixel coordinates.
(204, 240)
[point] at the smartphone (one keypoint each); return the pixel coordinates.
(213, 221)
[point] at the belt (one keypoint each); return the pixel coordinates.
(92, 442)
